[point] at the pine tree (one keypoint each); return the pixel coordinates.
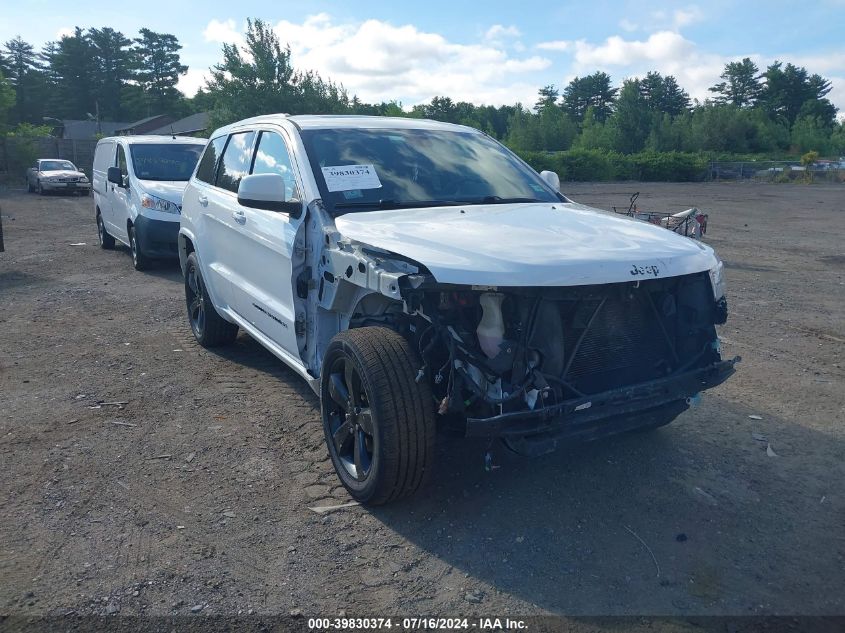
(158, 70)
(23, 70)
(740, 86)
(112, 70)
(590, 91)
(71, 64)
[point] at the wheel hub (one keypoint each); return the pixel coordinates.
(350, 422)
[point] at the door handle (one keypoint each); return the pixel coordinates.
(240, 217)
(202, 200)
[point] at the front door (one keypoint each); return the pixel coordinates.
(264, 293)
(119, 199)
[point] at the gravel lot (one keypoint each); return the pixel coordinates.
(194, 495)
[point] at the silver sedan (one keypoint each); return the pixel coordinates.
(53, 174)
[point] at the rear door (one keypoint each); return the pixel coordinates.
(264, 250)
(225, 162)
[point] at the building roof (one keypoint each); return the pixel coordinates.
(189, 125)
(86, 130)
(144, 125)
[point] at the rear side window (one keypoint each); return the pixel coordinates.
(235, 162)
(208, 163)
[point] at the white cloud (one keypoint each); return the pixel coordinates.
(662, 20)
(498, 32)
(192, 81)
(377, 61)
(222, 32)
(556, 45)
(65, 31)
(617, 51)
(665, 51)
(685, 17)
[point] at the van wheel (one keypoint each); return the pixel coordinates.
(39, 189)
(378, 421)
(209, 328)
(106, 240)
(139, 260)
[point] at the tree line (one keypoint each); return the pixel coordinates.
(101, 73)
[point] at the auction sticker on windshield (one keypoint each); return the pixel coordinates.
(348, 177)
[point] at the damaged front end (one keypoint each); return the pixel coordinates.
(536, 365)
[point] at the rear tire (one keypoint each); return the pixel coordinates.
(209, 328)
(139, 260)
(106, 240)
(378, 421)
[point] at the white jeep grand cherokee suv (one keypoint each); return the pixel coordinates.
(412, 271)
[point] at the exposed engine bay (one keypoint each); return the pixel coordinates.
(492, 352)
(540, 362)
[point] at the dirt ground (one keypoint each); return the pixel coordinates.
(193, 497)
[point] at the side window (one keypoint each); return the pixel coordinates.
(121, 161)
(234, 164)
(272, 157)
(208, 162)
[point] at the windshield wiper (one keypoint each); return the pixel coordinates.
(395, 204)
(500, 200)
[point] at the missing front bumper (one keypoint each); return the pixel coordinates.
(604, 413)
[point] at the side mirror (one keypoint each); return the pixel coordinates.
(268, 192)
(114, 176)
(551, 178)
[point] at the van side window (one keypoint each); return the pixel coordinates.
(272, 157)
(121, 161)
(208, 163)
(235, 162)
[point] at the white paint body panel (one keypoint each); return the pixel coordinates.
(542, 244)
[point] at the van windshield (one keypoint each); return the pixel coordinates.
(394, 168)
(165, 161)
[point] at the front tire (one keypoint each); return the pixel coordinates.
(139, 260)
(378, 421)
(106, 240)
(209, 328)
(39, 189)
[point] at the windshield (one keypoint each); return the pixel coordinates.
(365, 169)
(57, 165)
(164, 161)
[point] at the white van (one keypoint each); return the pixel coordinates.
(138, 184)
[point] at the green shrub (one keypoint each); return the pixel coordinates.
(604, 165)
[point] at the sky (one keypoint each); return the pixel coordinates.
(490, 52)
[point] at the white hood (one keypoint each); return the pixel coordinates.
(536, 244)
(170, 190)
